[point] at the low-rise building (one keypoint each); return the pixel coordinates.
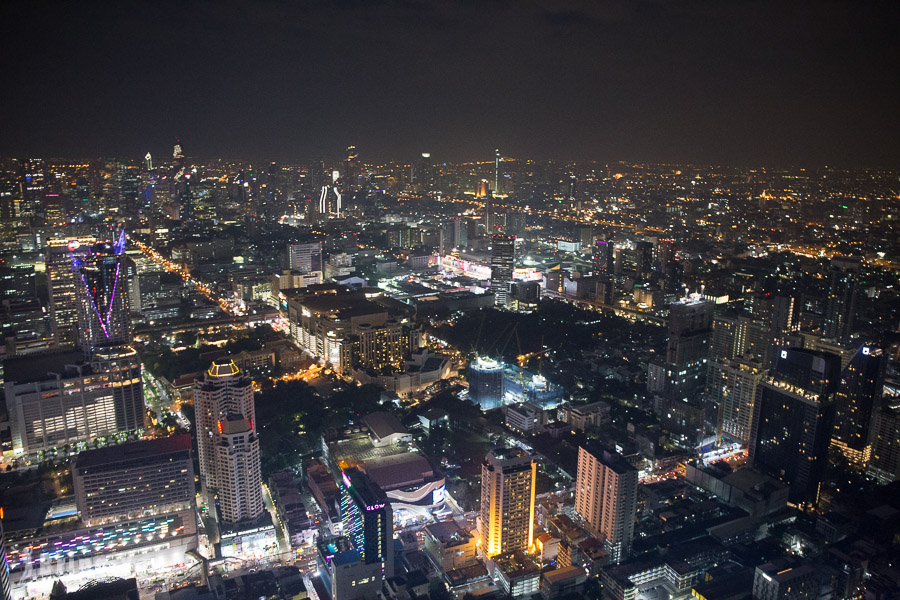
(449, 546)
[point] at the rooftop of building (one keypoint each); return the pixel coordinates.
(223, 367)
(448, 533)
(140, 450)
(37, 367)
(516, 564)
(384, 424)
(508, 454)
(341, 304)
(399, 470)
(610, 458)
(234, 423)
(564, 574)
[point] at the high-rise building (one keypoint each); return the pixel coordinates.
(127, 480)
(503, 259)
(507, 501)
(58, 256)
(60, 399)
(223, 390)
(792, 421)
(731, 386)
(101, 295)
(643, 259)
(306, 258)
(454, 234)
(840, 306)
(856, 400)
(104, 327)
(603, 257)
(368, 519)
(690, 329)
(238, 475)
(884, 464)
(486, 383)
(606, 498)
(69, 397)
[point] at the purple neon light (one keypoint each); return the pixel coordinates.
(112, 297)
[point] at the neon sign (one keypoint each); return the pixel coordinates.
(375, 507)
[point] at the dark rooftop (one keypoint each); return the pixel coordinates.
(142, 450)
(35, 367)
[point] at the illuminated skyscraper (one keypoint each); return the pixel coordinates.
(223, 391)
(104, 327)
(507, 501)
(606, 498)
(503, 259)
(856, 401)
(840, 308)
(238, 475)
(101, 294)
(58, 255)
(603, 257)
(731, 386)
(486, 383)
(368, 519)
(792, 421)
(884, 464)
(690, 329)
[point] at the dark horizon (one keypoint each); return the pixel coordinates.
(727, 83)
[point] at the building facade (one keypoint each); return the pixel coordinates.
(507, 501)
(606, 498)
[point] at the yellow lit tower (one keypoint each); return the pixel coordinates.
(507, 501)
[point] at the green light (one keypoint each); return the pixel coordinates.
(843, 207)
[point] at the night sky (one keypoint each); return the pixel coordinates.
(715, 81)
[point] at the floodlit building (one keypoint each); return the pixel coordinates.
(507, 501)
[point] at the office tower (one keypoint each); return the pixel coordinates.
(223, 390)
(665, 253)
(855, 402)
(884, 464)
(792, 421)
(104, 328)
(305, 258)
(368, 519)
(17, 282)
(127, 480)
(507, 501)
(58, 255)
(603, 257)
(840, 306)
(503, 259)
(454, 234)
(643, 259)
(32, 187)
(238, 475)
(690, 328)
(100, 292)
(486, 383)
(731, 386)
(606, 498)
